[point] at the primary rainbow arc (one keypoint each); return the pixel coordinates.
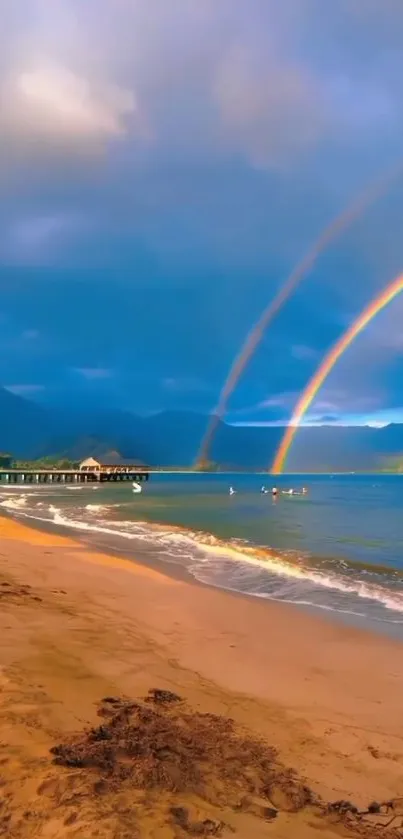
(380, 301)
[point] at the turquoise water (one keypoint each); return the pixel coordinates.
(338, 550)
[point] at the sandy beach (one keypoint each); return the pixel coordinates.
(77, 627)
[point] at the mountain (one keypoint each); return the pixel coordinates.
(172, 438)
(23, 424)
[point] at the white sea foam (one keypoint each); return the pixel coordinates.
(205, 557)
(202, 549)
(15, 488)
(100, 508)
(14, 503)
(280, 566)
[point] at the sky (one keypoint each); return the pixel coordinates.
(163, 166)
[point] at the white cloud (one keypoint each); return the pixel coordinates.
(59, 83)
(51, 102)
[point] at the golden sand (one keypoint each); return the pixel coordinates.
(77, 626)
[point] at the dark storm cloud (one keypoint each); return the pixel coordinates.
(162, 167)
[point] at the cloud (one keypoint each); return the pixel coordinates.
(266, 116)
(94, 373)
(168, 162)
(183, 384)
(272, 108)
(24, 390)
(51, 102)
(269, 82)
(327, 419)
(53, 106)
(301, 352)
(278, 400)
(275, 401)
(30, 334)
(366, 377)
(53, 95)
(38, 239)
(260, 424)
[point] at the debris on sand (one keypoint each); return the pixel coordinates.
(207, 827)
(377, 819)
(13, 592)
(162, 697)
(160, 745)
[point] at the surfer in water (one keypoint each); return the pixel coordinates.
(232, 491)
(263, 490)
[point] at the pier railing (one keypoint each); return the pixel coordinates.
(38, 476)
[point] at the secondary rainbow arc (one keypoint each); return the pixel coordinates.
(336, 227)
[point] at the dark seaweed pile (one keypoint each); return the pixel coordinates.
(159, 743)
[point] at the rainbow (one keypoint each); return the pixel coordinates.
(386, 296)
(334, 229)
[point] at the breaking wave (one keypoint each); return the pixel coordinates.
(225, 564)
(233, 565)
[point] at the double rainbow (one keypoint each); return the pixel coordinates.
(386, 296)
(367, 197)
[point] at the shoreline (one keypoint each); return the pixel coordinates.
(175, 572)
(101, 543)
(93, 625)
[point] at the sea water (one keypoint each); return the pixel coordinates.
(337, 550)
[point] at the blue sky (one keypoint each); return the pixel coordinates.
(162, 168)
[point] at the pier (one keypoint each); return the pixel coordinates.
(64, 476)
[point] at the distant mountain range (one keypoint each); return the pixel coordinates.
(28, 430)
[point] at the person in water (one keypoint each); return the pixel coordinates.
(264, 490)
(232, 491)
(274, 491)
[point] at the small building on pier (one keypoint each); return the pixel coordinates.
(112, 465)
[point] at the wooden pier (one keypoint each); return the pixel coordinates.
(72, 476)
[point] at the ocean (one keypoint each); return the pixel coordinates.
(337, 551)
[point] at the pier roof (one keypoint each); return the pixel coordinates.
(119, 461)
(112, 461)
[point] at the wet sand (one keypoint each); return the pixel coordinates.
(77, 626)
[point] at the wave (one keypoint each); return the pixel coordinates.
(282, 567)
(14, 503)
(202, 550)
(100, 508)
(83, 488)
(27, 489)
(231, 564)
